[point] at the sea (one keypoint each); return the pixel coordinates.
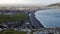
(49, 18)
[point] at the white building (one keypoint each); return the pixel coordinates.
(48, 31)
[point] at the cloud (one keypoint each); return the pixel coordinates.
(33, 2)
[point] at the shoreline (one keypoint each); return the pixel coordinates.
(38, 20)
(34, 21)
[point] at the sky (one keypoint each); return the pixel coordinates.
(29, 2)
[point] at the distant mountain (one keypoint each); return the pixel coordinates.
(55, 4)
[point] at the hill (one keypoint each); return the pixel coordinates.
(55, 4)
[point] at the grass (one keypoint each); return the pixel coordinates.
(12, 31)
(7, 18)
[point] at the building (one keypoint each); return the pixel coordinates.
(10, 12)
(47, 31)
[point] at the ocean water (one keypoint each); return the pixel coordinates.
(49, 18)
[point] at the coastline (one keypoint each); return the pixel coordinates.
(34, 21)
(38, 21)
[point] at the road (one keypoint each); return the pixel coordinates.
(34, 21)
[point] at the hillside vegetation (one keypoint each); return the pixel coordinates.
(12, 18)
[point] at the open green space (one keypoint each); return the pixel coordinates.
(12, 18)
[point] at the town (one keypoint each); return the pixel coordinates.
(18, 20)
